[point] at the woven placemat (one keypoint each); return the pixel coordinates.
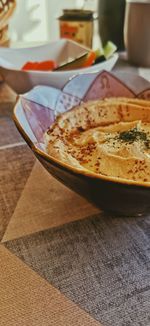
(99, 262)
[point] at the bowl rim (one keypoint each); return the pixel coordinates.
(13, 68)
(83, 70)
(74, 170)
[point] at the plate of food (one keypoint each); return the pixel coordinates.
(94, 136)
(52, 64)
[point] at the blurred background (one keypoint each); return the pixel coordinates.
(35, 21)
(90, 22)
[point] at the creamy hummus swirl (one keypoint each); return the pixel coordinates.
(108, 137)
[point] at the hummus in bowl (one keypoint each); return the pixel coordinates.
(109, 138)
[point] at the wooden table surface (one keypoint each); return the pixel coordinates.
(62, 261)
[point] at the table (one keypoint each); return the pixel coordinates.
(62, 261)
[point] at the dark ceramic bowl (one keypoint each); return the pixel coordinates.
(36, 111)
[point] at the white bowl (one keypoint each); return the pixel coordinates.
(12, 60)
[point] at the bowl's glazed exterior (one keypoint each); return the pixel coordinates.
(126, 198)
(122, 199)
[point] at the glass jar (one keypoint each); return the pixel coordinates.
(77, 25)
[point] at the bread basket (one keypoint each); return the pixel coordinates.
(6, 9)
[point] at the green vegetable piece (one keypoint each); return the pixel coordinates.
(109, 49)
(99, 52)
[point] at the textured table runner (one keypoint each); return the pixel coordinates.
(62, 261)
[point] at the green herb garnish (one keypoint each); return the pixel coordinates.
(147, 143)
(132, 135)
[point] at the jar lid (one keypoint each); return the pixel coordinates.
(138, 1)
(77, 14)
